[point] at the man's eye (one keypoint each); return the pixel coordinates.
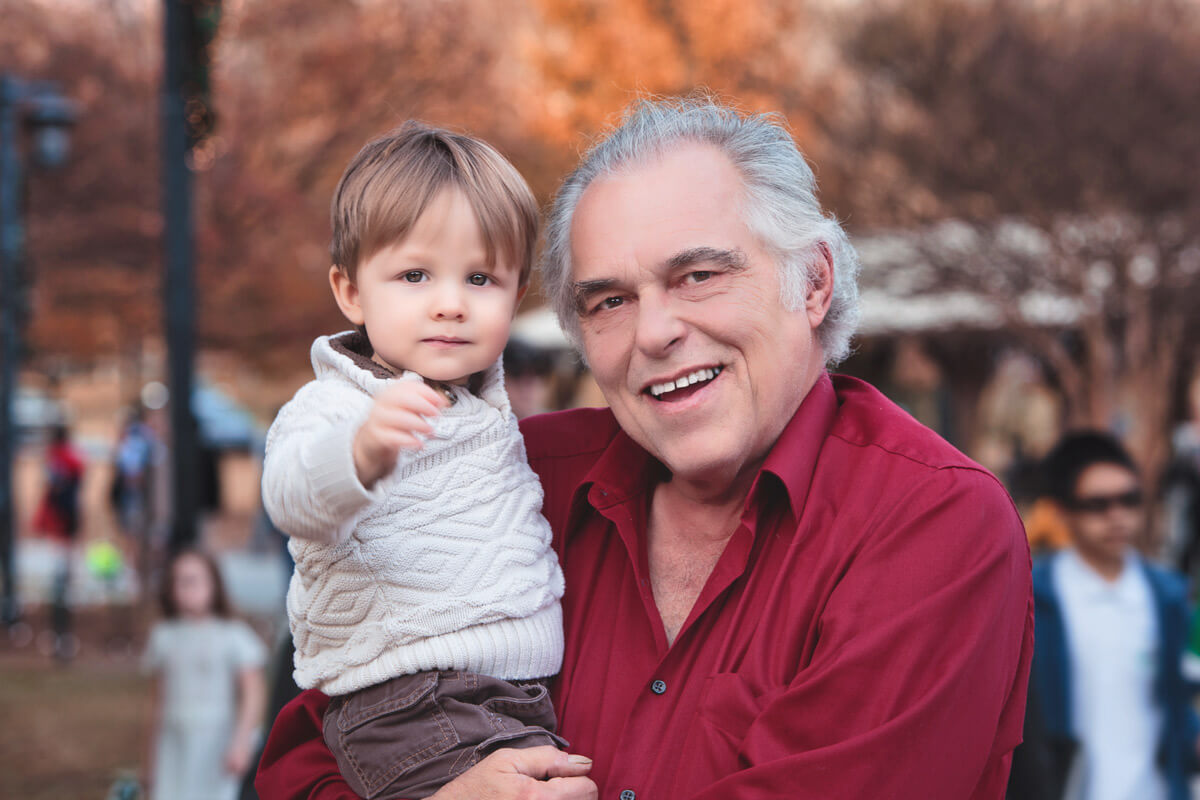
(414, 276)
(610, 302)
(699, 276)
(478, 279)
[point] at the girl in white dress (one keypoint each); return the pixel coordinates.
(208, 686)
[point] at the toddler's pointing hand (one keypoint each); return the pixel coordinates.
(398, 418)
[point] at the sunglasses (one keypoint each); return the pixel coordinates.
(1101, 503)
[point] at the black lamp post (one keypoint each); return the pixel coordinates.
(37, 112)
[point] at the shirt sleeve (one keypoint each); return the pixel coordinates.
(916, 688)
(310, 487)
(155, 652)
(296, 764)
(248, 649)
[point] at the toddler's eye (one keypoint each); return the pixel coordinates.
(414, 276)
(478, 279)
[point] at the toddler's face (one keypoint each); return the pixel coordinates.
(430, 303)
(193, 586)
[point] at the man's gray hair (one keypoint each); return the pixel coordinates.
(781, 206)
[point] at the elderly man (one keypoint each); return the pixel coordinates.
(778, 583)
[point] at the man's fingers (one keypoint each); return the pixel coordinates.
(569, 766)
(569, 789)
(545, 762)
(529, 774)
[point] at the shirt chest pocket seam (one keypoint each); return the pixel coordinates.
(731, 704)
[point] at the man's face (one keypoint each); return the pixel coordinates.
(1106, 512)
(672, 285)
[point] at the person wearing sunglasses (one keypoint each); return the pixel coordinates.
(1111, 630)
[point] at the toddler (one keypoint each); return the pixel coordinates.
(425, 597)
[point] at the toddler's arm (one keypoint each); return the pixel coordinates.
(324, 459)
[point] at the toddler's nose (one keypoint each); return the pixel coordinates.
(449, 305)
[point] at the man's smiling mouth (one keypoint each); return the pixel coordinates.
(673, 390)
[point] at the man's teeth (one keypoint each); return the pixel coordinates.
(699, 376)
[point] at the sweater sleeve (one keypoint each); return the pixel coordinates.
(309, 486)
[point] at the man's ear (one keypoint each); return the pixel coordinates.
(345, 292)
(820, 286)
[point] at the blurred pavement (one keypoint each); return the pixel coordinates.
(257, 582)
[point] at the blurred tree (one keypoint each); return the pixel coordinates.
(93, 227)
(1059, 141)
(589, 58)
(299, 91)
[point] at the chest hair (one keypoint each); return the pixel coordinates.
(681, 558)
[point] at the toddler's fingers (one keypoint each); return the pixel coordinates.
(435, 396)
(398, 440)
(404, 421)
(413, 396)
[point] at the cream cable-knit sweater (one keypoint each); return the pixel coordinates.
(443, 564)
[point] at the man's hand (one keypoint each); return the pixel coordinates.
(397, 419)
(535, 773)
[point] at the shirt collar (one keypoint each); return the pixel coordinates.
(793, 459)
(1089, 583)
(625, 470)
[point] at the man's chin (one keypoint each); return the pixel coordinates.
(702, 464)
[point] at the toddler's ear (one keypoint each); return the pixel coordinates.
(345, 292)
(520, 297)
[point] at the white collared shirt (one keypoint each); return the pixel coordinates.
(1113, 640)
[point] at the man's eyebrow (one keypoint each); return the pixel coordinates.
(726, 259)
(581, 291)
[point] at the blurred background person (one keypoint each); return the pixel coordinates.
(132, 463)
(209, 686)
(1111, 631)
(57, 517)
(527, 377)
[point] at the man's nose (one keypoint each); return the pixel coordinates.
(449, 303)
(659, 327)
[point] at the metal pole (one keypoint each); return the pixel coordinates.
(179, 292)
(10, 335)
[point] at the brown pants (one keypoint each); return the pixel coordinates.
(409, 736)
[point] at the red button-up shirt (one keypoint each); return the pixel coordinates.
(866, 633)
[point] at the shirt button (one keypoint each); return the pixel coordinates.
(658, 687)
(628, 794)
